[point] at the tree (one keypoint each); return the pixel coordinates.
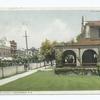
(80, 36)
(58, 57)
(35, 57)
(47, 50)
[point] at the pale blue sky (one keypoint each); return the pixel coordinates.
(54, 25)
(60, 25)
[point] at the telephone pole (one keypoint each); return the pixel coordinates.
(82, 24)
(26, 40)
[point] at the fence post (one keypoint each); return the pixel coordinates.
(16, 69)
(2, 72)
(40, 63)
(36, 64)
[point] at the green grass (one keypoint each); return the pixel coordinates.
(48, 81)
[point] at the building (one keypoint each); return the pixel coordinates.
(84, 52)
(32, 51)
(7, 48)
(5, 52)
(21, 53)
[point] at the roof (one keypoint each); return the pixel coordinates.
(87, 42)
(82, 42)
(93, 23)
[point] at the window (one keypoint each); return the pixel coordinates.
(87, 31)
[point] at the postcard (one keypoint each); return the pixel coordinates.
(49, 51)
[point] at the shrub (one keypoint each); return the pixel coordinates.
(98, 69)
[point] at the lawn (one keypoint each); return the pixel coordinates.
(48, 81)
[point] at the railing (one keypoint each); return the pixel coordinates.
(89, 64)
(83, 64)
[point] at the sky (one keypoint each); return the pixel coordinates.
(59, 25)
(40, 23)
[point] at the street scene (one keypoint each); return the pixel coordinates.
(49, 50)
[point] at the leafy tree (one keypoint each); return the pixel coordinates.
(78, 37)
(47, 50)
(35, 57)
(58, 57)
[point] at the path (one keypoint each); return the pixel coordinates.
(15, 77)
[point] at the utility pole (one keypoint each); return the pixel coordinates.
(82, 27)
(26, 40)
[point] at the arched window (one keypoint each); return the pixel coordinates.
(89, 57)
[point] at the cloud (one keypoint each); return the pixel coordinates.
(55, 30)
(58, 30)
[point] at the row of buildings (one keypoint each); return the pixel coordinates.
(8, 50)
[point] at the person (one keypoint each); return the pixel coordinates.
(25, 66)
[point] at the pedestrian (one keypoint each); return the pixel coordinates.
(25, 66)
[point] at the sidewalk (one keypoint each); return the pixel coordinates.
(15, 77)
